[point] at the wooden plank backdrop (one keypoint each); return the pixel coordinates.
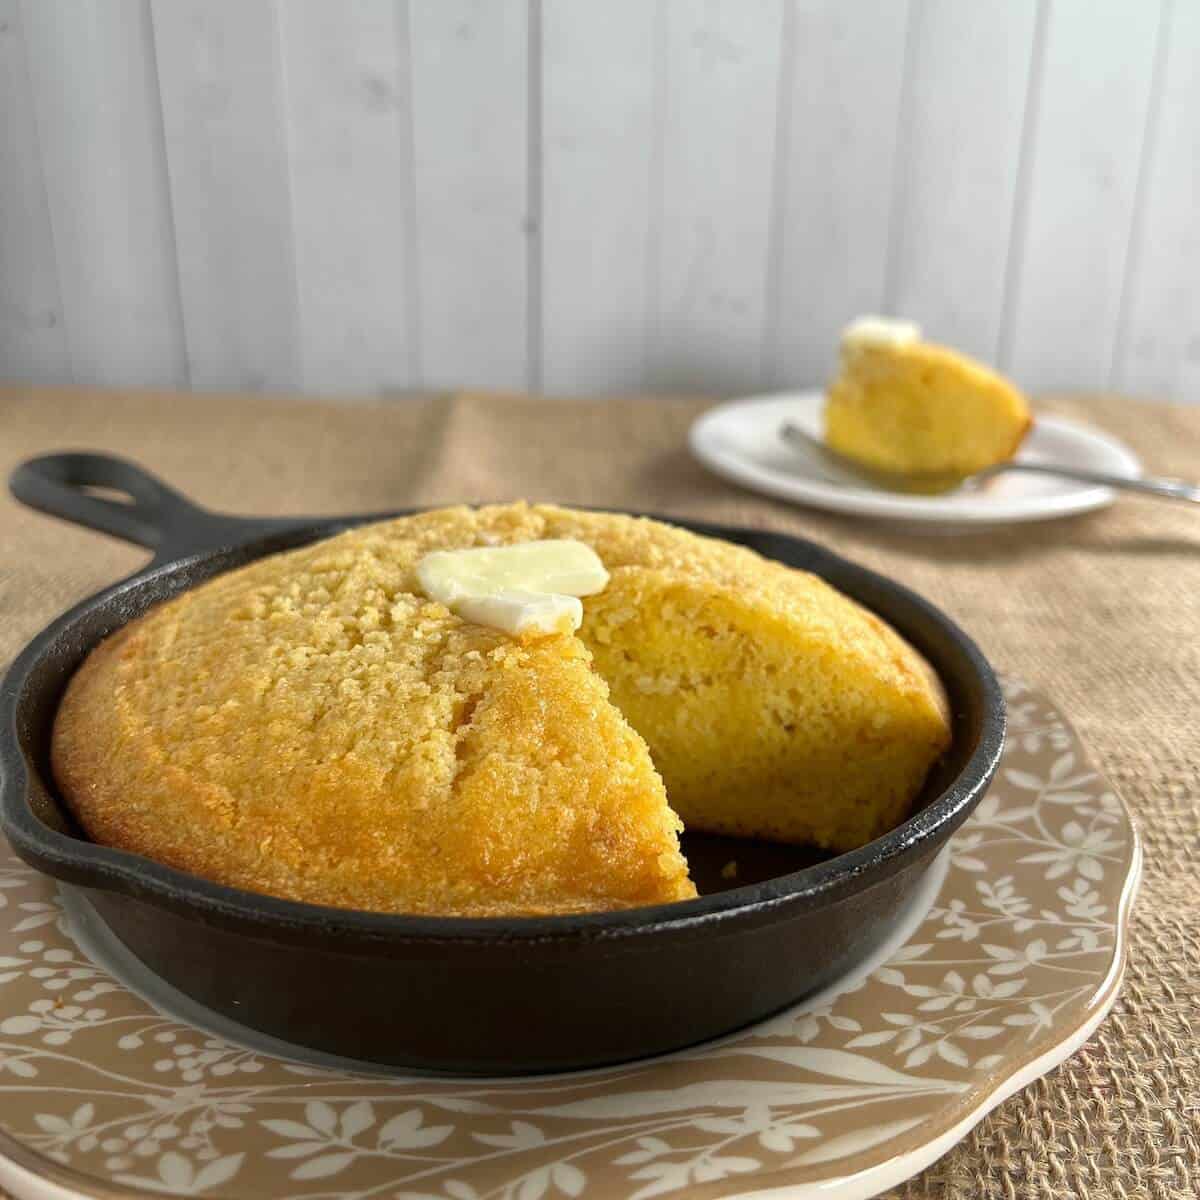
(638, 195)
(220, 76)
(1085, 162)
(839, 104)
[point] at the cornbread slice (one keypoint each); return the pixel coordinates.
(911, 406)
(773, 706)
(311, 726)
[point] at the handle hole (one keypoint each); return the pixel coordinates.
(111, 494)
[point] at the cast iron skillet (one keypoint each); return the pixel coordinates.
(471, 995)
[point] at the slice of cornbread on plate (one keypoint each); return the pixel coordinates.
(313, 726)
(903, 404)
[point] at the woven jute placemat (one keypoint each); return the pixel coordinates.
(1102, 610)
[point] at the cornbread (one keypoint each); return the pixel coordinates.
(312, 726)
(902, 404)
(773, 706)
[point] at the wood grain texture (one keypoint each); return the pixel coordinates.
(348, 114)
(952, 212)
(32, 343)
(599, 134)
(840, 112)
(1086, 148)
(221, 82)
(95, 94)
(1158, 350)
(641, 195)
(720, 86)
(470, 79)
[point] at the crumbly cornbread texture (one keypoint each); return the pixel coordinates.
(311, 726)
(923, 408)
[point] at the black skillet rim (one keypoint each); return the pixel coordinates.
(191, 896)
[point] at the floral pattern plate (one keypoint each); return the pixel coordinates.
(1005, 967)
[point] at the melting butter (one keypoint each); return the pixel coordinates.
(523, 612)
(526, 588)
(880, 331)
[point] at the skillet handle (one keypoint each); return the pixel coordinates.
(153, 515)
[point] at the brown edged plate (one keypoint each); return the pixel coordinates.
(1008, 955)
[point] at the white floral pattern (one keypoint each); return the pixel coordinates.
(1009, 959)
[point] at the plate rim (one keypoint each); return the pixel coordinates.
(888, 1174)
(862, 1186)
(1003, 1080)
(913, 509)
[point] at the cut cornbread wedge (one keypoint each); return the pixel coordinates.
(902, 404)
(312, 727)
(773, 706)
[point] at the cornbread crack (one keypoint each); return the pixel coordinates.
(310, 726)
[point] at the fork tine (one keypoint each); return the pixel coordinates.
(866, 476)
(843, 471)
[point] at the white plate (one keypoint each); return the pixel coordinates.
(740, 441)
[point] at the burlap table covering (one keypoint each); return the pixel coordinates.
(1102, 610)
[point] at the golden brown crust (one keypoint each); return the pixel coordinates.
(923, 408)
(310, 726)
(773, 706)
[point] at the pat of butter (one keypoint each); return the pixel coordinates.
(880, 331)
(560, 565)
(529, 587)
(523, 612)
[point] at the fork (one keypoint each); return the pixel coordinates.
(932, 482)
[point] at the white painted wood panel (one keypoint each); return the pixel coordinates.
(1086, 148)
(952, 215)
(220, 78)
(598, 144)
(348, 117)
(636, 195)
(1158, 351)
(95, 93)
(840, 112)
(721, 83)
(32, 346)
(470, 84)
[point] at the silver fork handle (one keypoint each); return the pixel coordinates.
(1172, 489)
